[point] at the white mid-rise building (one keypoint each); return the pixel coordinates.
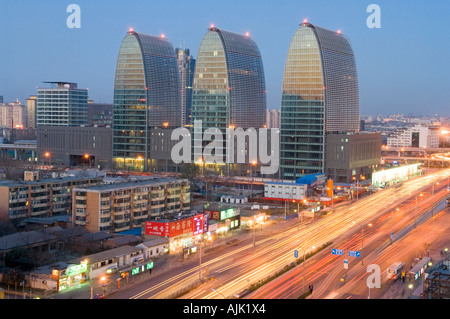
(417, 136)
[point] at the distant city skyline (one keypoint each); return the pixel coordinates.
(402, 66)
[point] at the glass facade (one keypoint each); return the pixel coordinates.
(62, 106)
(320, 95)
(146, 94)
(186, 67)
(229, 85)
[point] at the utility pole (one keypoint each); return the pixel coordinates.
(254, 228)
(200, 262)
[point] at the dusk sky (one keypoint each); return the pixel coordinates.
(403, 67)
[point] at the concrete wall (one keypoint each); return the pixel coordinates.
(63, 141)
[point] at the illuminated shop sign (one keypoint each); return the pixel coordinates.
(222, 214)
(138, 270)
(198, 224)
(73, 270)
(176, 228)
(395, 174)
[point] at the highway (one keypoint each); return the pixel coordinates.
(236, 268)
(325, 270)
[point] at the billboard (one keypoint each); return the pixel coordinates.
(194, 224)
(284, 191)
(222, 214)
(197, 222)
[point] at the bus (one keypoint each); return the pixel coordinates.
(394, 271)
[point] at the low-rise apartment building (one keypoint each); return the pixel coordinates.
(35, 197)
(122, 206)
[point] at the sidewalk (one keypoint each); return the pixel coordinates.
(162, 265)
(83, 291)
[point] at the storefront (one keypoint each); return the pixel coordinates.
(182, 233)
(72, 276)
(229, 216)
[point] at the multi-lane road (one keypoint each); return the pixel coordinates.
(236, 268)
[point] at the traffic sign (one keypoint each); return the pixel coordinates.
(345, 263)
(354, 253)
(295, 253)
(392, 236)
(337, 252)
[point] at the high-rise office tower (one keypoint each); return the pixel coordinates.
(31, 111)
(319, 97)
(186, 67)
(229, 86)
(146, 95)
(63, 104)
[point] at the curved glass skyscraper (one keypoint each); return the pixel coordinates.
(146, 94)
(229, 86)
(320, 96)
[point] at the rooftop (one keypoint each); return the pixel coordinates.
(23, 239)
(107, 254)
(119, 185)
(69, 176)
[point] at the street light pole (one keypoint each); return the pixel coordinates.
(357, 193)
(362, 242)
(254, 228)
(304, 255)
(251, 176)
(415, 211)
(432, 198)
(200, 262)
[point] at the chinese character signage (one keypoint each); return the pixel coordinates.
(222, 215)
(198, 224)
(205, 223)
(156, 228)
(180, 227)
(195, 224)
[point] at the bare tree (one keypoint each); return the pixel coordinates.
(14, 169)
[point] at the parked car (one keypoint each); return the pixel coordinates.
(112, 269)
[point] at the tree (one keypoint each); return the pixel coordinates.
(189, 171)
(13, 169)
